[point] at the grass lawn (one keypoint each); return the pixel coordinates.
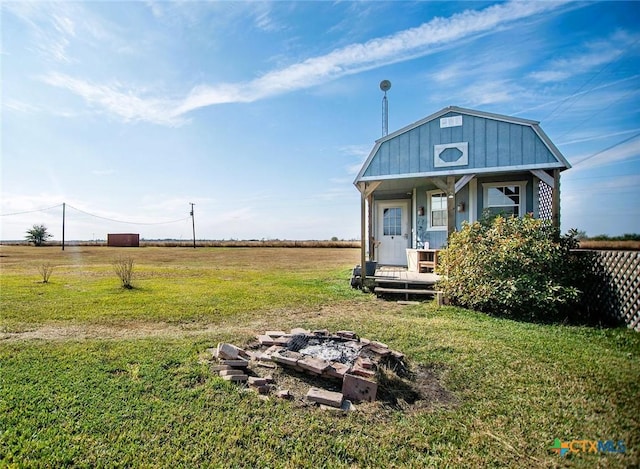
(95, 375)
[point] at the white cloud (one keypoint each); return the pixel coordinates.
(263, 17)
(490, 93)
(54, 27)
(19, 106)
(103, 172)
(156, 8)
(50, 24)
(546, 76)
(595, 54)
(124, 104)
(358, 153)
(354, 58)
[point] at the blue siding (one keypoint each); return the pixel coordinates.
(492, 143)
(404, 157)
(426, 149)
(437, 239)
(456, 133)
(446, 134)
(503, 144)
(540, 152)
(515, 145)
(394, 156)
(478, 151)
(462, 196)
(529, 142)
(414, 149)
(384, 160)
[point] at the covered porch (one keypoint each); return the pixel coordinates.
(423, 182)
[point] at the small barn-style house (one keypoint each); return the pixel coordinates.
(421, 182)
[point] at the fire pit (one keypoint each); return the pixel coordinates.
(341, 357)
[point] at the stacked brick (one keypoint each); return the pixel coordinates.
(356, 371)
(234, 366)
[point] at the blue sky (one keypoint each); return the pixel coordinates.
(261, 113)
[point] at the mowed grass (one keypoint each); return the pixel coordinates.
(171, 284)
(511, 387)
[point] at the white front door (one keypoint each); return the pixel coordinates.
(393, 227)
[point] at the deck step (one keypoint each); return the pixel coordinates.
(410, 291)
(398, 281)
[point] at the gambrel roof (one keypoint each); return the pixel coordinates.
(457, 141)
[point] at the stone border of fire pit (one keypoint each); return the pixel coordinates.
(354, 364)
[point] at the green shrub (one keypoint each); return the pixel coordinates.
(517, 267)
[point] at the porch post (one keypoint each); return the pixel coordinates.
(555, 200)
(451, 205)
(372, 246)
(363, 237)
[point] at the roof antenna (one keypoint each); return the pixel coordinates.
(385, 85)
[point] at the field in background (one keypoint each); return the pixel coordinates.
(608, 244)
(95, 375)
(232, 243)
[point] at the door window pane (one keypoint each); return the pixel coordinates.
(392, 221)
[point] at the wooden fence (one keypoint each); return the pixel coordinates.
(614, 285)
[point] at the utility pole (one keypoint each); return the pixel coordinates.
(193, 224)
(64, 206)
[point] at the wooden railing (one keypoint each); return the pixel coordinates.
(614, 289)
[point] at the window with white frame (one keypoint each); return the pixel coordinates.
(505, 198)
(437, 206)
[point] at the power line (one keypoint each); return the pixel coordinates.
(599, 111)
(607, 149)
(615, 59)
(30, 211)
(127, 222)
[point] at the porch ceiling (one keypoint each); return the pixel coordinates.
(404, 186)
(400, 187)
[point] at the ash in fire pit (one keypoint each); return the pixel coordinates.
(332, 350)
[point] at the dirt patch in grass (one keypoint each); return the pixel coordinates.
(257, 321)
(133, 330)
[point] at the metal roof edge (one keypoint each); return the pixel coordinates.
(494, 116)
(457, 172)
(461, 110)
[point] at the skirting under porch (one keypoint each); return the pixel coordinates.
(398, 281)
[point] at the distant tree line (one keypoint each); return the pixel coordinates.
(624, 237)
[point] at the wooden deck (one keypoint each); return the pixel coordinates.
(390, 280)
